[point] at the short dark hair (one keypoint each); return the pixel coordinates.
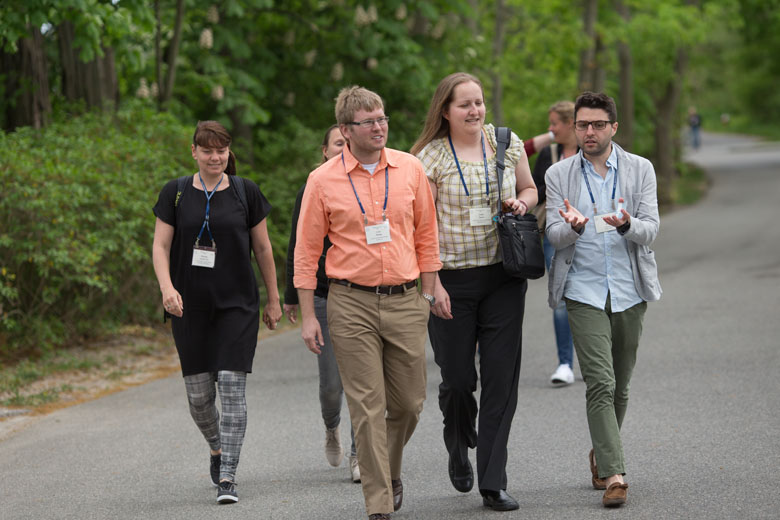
(596, 100)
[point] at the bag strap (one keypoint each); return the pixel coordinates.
(503, 140)
(240, 187)
(181, 185)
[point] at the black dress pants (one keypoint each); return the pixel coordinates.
(487, 309)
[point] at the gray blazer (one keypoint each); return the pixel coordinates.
(636, 178)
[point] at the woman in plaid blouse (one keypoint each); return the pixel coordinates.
(476, 302)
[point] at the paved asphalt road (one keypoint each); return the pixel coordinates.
(701, 436)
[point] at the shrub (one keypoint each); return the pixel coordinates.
(76, 224)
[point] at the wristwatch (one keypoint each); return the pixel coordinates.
(430, 298)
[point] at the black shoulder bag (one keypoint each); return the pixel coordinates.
(521, 242)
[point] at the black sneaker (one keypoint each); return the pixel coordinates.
(216, 460)
(226, 493)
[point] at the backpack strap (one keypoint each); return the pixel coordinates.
(235, 181)
(503, 140)
(238, 184)
(554, 153)
(181, 185)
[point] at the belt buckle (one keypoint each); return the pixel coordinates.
(376, 290)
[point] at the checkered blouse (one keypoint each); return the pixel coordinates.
(462, 246)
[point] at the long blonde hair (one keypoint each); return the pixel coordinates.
(436, 125)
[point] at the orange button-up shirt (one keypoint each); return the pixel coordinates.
(329, 207)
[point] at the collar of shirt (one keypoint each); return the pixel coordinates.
(612, 163)
(351, 163)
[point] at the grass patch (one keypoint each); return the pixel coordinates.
(47, 396)
(144, 350)
(690, 186)
(35, 382)
(118, 374)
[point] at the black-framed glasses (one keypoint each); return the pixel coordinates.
(597, 125)
(368, 123)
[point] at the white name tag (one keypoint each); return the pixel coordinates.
(601, 226)
(204, 256)
(480, 216)
(378, 233)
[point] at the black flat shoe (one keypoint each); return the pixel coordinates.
(499, 501)
(462, 477)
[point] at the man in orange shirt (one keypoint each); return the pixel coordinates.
(375, 205)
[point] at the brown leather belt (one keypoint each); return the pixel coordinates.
(379, 289)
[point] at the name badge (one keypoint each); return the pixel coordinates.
(480, 216)
(378, 233)
(601, 226)
(203, 256)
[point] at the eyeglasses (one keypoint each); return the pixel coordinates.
(368, 123)
(597, 125)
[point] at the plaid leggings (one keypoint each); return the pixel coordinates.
(229, 434)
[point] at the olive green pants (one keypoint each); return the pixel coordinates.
(606, 345)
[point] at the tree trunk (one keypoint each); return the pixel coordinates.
(26, 84)
(173, 53)
(158, 54)
(95, 82)
(588, 64)
(495, 73)
(472, 22)
(625, 135)
(242, 137)
(666, 128)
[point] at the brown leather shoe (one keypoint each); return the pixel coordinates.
(379, 516)
(398, 494)
(615, 495)
(598, 483)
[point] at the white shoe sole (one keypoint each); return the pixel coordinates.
(227, 499)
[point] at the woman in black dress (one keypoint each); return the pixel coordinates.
(206, 226)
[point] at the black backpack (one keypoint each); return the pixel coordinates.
(235, 181)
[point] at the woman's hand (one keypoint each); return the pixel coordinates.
(516, 206)
(441, 308)
(291, 311)
(272, 314)
(172, 302)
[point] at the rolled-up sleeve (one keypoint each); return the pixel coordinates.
(426, 238)
(311, 230)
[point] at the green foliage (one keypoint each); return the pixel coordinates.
(76, 224)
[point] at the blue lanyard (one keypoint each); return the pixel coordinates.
(614, 186)
(484, 162)
(208, 208)
(384, 207)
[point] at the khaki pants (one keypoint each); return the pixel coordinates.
(606, 344)
(379, 342)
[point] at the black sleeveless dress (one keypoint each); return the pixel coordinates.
(218, 330)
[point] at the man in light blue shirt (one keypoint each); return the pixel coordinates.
(602, 216)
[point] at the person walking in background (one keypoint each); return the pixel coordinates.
(694, 122)
(331, 390)
(210, 294)
(375, 205)
(475, 300)
(561, 116)
(602, 217)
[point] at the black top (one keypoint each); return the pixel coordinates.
(290, 294)
(543, 162)
(218, 330)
